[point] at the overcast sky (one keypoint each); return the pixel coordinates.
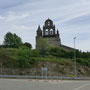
(71, 17)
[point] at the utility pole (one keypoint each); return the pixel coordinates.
(75, 71)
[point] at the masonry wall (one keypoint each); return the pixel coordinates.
(53, 41)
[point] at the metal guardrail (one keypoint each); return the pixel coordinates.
(44, 77)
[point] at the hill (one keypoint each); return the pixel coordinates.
(24, 61)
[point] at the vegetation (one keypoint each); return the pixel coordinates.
(43, 46)
(24, 57)
(12, 40)
(19, 55)
(28, 45)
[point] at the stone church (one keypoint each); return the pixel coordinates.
(52, 35)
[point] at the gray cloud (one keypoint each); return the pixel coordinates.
(22, 17)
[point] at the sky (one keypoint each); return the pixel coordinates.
(71, 18)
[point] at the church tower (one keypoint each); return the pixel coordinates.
(48, 28)
(49, 33)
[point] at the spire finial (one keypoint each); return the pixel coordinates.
(57, 31)
(39, 28)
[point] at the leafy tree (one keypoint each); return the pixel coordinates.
(43, 46)
(24, 57)
(6, 58)
(58, 52)
(70, 54)
(34, 53)
(28, 45)
(12, 40)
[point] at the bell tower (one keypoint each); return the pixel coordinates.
(49, 33)
(48, 28)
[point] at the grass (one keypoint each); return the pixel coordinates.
(61, 61)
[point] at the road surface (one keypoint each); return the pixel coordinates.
(27, 84)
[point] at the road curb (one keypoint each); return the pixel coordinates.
(56, 81)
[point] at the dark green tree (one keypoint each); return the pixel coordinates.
(6, 58)
(12, 40)
(43, 46)
(23, 57)
(28, 45)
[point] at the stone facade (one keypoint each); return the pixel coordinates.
(52, 35)
(49, 33)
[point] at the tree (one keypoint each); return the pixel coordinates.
(43, 46)
(6, 58)
(28, 45)
(58, 52)
(23, 57)
(12, 40)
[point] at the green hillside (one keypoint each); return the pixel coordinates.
(17, 57)
(57, 60)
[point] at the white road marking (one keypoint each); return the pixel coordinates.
(82, 86)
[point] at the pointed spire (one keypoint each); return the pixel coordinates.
(57, 31)
(39, 28)
(39, 31)
(48, 18)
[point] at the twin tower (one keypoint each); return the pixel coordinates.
(49, 33)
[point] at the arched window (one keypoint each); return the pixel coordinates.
(51, 31)
(46, 32)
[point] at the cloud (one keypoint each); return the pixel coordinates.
(12, 16)
(22, 17)
(1, 17)
(15, 27)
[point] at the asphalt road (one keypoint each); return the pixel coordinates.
(27, 84)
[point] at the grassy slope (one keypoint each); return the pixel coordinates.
(56, 66)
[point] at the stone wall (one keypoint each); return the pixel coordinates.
(54, 41)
